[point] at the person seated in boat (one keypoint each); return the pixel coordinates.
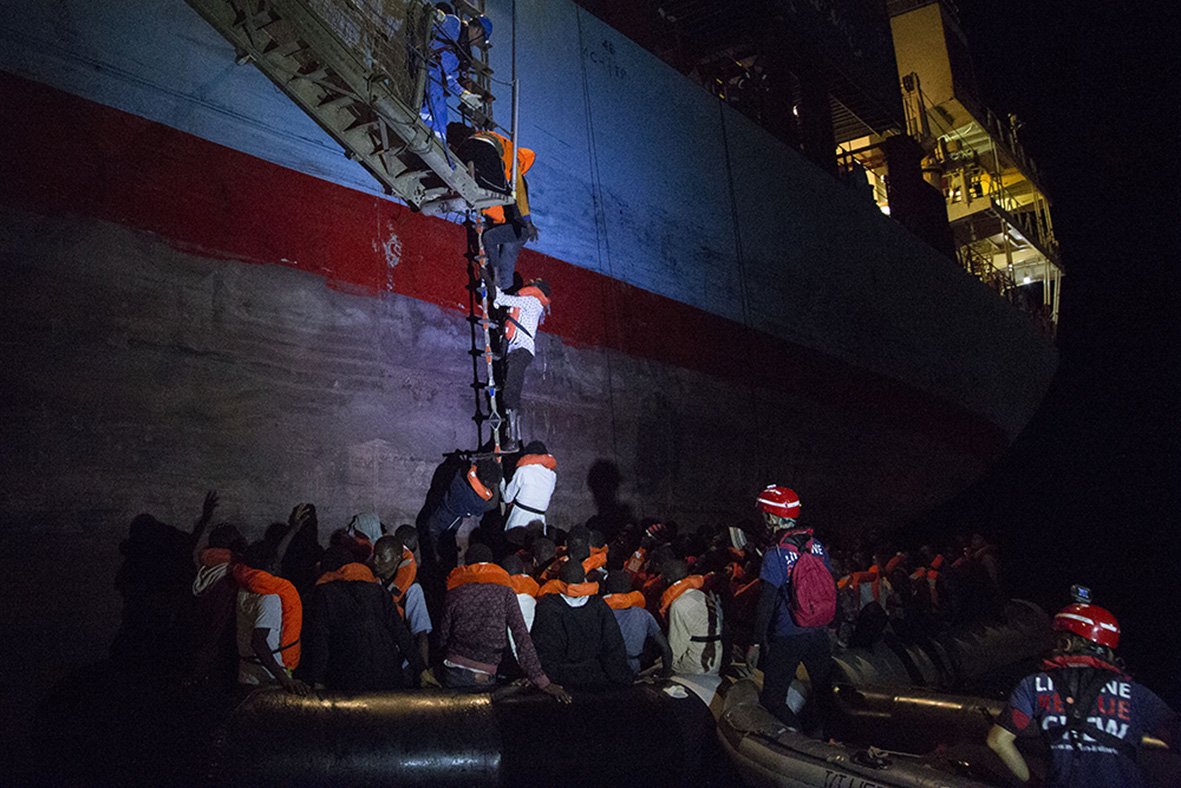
(1084, 706)
(479, 611)
(636, 624)
(526, 588)
(545, 554)
(693, 611)
(577, 637)
(395, 568)
(781, 641)
(353, 638)
(470, 494)
(269, 616)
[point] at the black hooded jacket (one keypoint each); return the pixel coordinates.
(580, 647)
(354, 640)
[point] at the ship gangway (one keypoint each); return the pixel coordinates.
(360, 69)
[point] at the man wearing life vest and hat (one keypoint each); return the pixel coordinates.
(1084, 706)
(525, 311)
(796, 604)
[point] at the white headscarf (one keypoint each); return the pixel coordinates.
(368, 525)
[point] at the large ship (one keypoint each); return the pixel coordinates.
(203, 290)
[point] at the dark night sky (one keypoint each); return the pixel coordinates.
(1090, 492)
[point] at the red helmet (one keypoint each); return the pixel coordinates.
(1091, 622)
(781, 501)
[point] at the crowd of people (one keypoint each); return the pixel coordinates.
(595, 606)
(380, 607)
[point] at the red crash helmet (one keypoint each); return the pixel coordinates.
(781, 501)
(1090, 622)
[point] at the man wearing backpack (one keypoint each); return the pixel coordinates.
(796, 604)
(1083, 705)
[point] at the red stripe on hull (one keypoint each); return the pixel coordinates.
(79, 157)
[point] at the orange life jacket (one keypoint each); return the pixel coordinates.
(478, 485)
(257, 581)
(350, 572)
(595, 561)
(478, 573)
(893, 563)
(555, 566)
(525, 159)
(676, 589)
(214, 556)
(624, 601)
(405, 574)
(524, 584)
(569, 589)
(545, 460)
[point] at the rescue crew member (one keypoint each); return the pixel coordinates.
(1083, 705)
(787, 643)
(528, 493)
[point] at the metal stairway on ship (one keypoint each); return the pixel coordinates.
(359, 69)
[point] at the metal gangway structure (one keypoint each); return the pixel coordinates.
(360, 69)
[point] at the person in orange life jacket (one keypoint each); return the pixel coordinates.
(507, 228)
(479, 611)
(528, 493)
(525, 312)
(265, 622)
(214, 648)
(394, 565)
(577, 637)
(353, 638)
(695, 621)
(786, 643)
(1085, 707)
(471, 493)
(636, 625)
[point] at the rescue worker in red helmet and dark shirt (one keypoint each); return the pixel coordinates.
(786, 644)
(1082, 704)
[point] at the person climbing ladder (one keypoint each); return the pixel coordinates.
(524, 312)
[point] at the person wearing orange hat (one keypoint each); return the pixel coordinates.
(1084, 706)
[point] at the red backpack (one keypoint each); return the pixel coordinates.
(813, 601)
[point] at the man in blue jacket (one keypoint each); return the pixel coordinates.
(471, 493)
(782, 643)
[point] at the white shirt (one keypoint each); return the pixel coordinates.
(532, 485)
(528, 607)
(257, 611)
(527, 311)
